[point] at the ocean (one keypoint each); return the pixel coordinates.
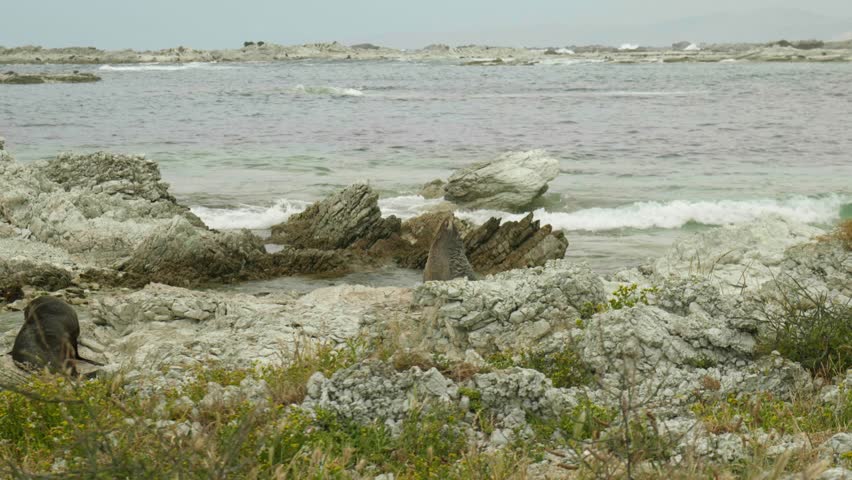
(648, 152)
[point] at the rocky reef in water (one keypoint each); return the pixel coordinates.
(12, 78)
(472, 55)
(676, 363)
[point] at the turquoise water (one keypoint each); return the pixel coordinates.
(647, 152)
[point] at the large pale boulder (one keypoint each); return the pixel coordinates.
(510, 182)
(350, 216)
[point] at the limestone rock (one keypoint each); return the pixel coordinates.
(740, 257)
(508, 311)
(373, 391)
(179, 253)
(510, 182)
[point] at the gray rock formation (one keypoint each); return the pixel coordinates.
(496, 247)
(12, 78)
(509, 311)
(165, 325)
(21, 272)
(179, 253)
(350, 216)
(740, 257)
(491, 248)
(510, 182)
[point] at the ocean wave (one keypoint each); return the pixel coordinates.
(146, 67)
(628, 46)
(248, 216)
(639, 215)
(333, 91)
(678, 213)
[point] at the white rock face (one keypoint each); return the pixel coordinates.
(171, 325)
(510, 182)
(740, 257)
(509, 311)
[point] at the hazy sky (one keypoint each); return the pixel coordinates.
(218, 24)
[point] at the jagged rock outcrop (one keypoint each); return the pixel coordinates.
(4, 155)
(509, 311)
(350, 216)
(510, 182)
(179, 253)
(100, 205)
(491, 248)
(496, 247)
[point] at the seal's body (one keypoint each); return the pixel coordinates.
(447, 259)
(49, 336)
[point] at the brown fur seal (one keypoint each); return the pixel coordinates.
(49, 336)
(447, 259)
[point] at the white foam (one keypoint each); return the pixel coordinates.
(325, 90)
(569, 61)
(248, 216)
(147, 67)
(565, 51)
(639, 215)
(628, 46)
(676, 214)
(692, 48)
(406, 207)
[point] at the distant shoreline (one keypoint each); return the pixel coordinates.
(782, 51)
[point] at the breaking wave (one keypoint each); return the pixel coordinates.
(678, 213)
(639, 215)
(248, 216)
(333, 91)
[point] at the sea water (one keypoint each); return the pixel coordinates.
(648, 152)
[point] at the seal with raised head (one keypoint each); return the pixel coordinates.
(447, 259)
(49, 336)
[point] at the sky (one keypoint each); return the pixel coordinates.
(210, 24)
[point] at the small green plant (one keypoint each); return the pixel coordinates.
(564, 367)
(627, 296)
(809, 328)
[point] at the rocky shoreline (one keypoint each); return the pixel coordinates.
(542, 354)
(12, 78)
(782, 51)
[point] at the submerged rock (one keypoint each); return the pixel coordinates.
(12, 78)
(510, 182)
(348, 217)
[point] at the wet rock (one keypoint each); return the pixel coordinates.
(491, 248)
(12, 78)
(348, 217)
(510, 182)
(509, 311)
(433, 189)
(179, 253)
(496, 247)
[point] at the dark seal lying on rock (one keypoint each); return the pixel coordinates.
(49, 336)
(447, 259)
